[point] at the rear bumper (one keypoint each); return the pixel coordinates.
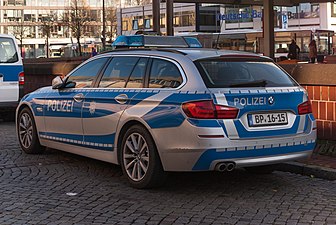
(205, 154)
(248, 162)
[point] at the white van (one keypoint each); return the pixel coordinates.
(11, 76)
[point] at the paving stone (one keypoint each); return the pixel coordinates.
(34, 187)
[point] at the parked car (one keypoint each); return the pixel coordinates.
(11, 77)
(172, 109)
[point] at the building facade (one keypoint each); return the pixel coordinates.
(239, 27)
(38, 23)
(218, 18)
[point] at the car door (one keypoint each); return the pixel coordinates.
(63, 107)
(120, 82)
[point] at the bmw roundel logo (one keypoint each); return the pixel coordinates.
(271, 100)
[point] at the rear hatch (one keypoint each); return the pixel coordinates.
(264, 101)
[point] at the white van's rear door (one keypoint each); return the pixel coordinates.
(9, 85)
(10, 68)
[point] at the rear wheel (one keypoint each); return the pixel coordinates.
(27, 133)
(266, 169)
(139, 159)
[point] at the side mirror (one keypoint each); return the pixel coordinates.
(57, 83)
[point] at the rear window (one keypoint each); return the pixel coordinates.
(224, 73)
(8, 52)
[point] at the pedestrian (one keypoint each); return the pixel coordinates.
(312, 51)
(293, 50)
(94, 52)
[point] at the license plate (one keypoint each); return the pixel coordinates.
(267, 119)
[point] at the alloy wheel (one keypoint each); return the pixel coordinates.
(136, 156)
(26, 130)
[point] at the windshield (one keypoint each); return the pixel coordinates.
(223, 73)
(8, 52)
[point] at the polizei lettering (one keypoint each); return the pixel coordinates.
(60, 105)
(250, 101)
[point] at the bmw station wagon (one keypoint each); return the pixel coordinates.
(172, 109)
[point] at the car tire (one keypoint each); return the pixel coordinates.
(27, 133)
(266, 169)
(139, 159)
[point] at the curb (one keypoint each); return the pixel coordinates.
(308, 170)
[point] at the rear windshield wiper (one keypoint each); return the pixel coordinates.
(257, 83)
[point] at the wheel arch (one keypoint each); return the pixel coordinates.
(20, 108)
(123, 129)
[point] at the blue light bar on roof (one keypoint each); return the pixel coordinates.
(129, 41)
(193, 42)
(156, 41)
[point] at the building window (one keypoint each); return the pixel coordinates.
(124, 25)
(147, 23)
(308, 10)
(238, 14)
(304, 11)
(135, 25)
(333, 9)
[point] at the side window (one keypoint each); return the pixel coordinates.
(164, 74)
(84, 75)
(117, 72)
(8, 51)
(138, 73)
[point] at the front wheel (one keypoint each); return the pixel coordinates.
(27, 133)
(139, 159)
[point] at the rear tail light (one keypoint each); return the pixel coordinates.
(305, 108)
(21, 78)
(208, 110)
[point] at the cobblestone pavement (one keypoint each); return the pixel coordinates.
(61, 188)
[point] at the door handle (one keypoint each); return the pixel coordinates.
(121, 99)
(79, 97)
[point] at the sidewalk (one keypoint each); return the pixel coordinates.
(319, 166)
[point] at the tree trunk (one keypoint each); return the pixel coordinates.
(21, 48)
(79, 46)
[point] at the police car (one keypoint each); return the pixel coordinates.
(172, 109)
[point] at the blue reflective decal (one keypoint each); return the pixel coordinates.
(204, 123)
(224, 128)
(210, 155)
(100, 142)
(308, 123)
(164, 116)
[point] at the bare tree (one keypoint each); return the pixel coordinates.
(111, 20)
(20, 31)
(77, 17)
(46, 25)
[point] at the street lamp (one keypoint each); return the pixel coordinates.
(104, 28)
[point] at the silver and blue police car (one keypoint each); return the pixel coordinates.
(172, 109)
